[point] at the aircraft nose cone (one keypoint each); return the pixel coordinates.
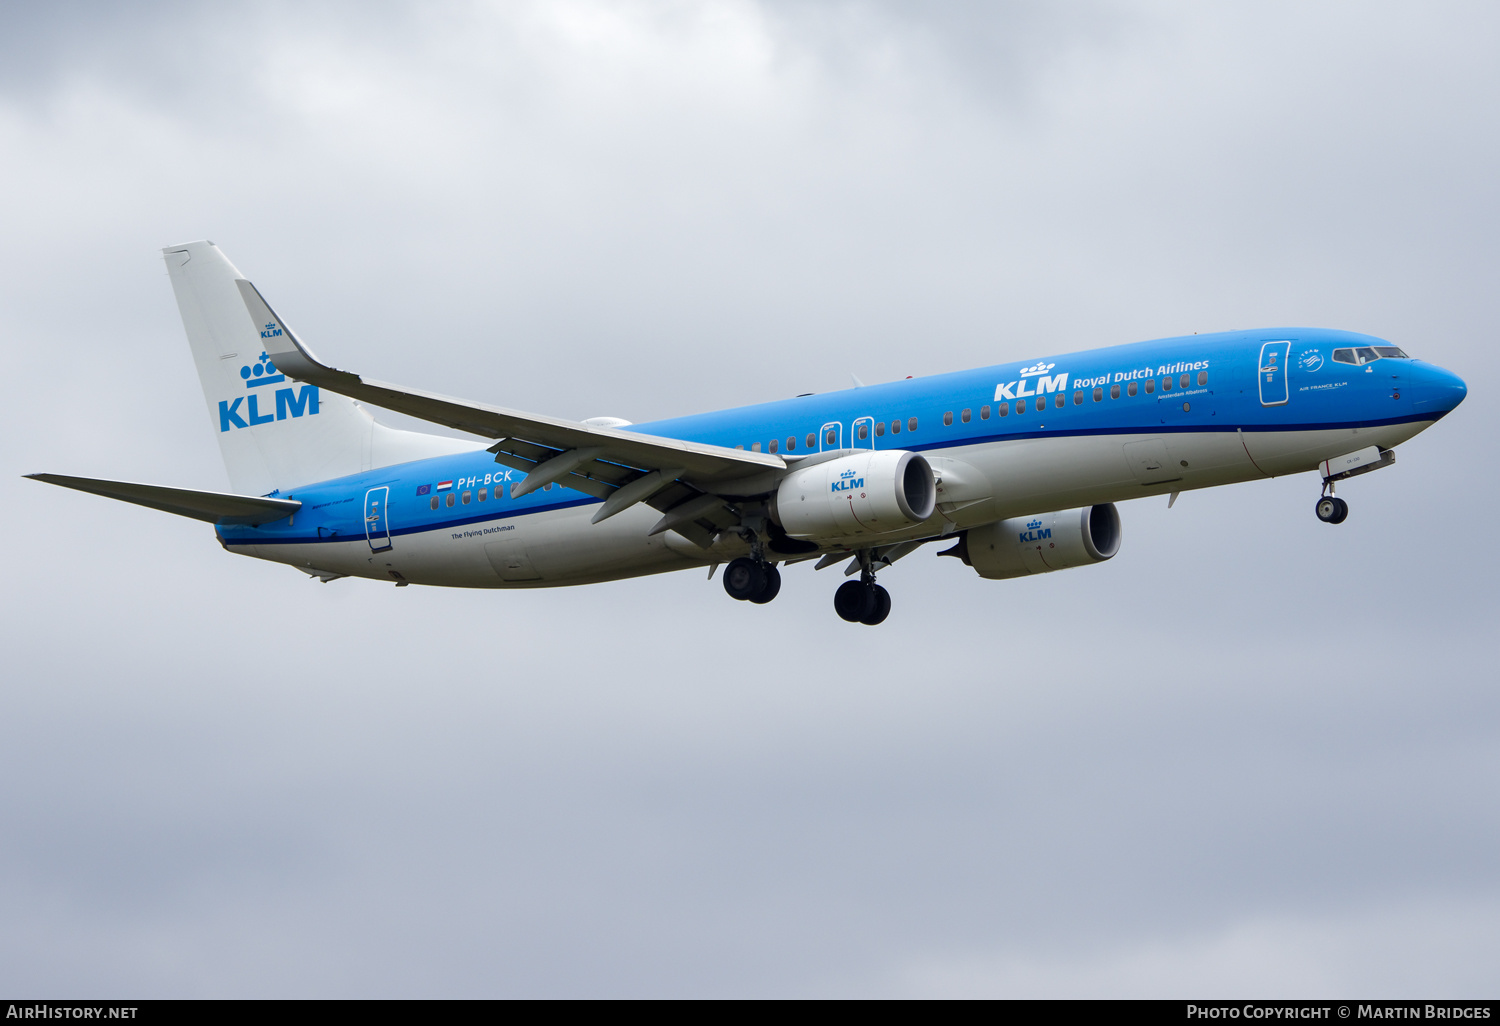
(1437, 391)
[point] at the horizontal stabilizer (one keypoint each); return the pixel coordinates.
(214, 507)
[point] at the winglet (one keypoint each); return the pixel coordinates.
(285, 350)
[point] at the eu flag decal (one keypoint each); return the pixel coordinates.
(424, 489)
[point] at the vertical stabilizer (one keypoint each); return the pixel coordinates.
(274, 432)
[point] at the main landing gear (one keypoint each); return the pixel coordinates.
(859, 602)
(752, 580)
(862, 601)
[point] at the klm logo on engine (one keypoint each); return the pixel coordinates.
(848, 482)
(290, 402)
(1034, 532)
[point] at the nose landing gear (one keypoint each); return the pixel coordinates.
(1331, 509)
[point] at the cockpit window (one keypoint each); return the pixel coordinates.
(1368, 354)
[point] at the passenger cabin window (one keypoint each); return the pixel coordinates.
(1020, 405)
(833, 437)
(984, 413)
(1202, 378)
(1131, 389)
(1004, 409)
(1078, 397)
(434, 502)
(484, 493)
(467, 497)
(864, 431)
(812, 439)
(1183, 381)
(966, 416)
(948, 419)
(1098, 395)
(451, 500)
(880, 429)
(1166, 384)
(895, 427)
(1150, 386)
(911, 423)
(755, 447)
(775, 444)
(791, 443)
(1058, 402)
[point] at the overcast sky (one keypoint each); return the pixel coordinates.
(1253, 754)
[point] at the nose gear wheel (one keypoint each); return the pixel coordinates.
(1331, 510)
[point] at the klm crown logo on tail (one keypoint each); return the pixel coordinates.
(263, 372)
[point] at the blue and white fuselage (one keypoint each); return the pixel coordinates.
(1017, 465)
(1078, 430)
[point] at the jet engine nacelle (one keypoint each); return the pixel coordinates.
(863, 494)
(1041, 544)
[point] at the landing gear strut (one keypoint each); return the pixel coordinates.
(862, 601)
(1330, 508)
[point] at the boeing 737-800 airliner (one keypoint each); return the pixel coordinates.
(1015, 467)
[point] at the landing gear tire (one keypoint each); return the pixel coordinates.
(1332, 510)
(880, 608)
(772, 586)
(854, 601)
(858, 602)
(744, 578)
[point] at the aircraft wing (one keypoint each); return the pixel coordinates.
(614, 465)
(214, 507)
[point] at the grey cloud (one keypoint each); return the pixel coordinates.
(1249, 734)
